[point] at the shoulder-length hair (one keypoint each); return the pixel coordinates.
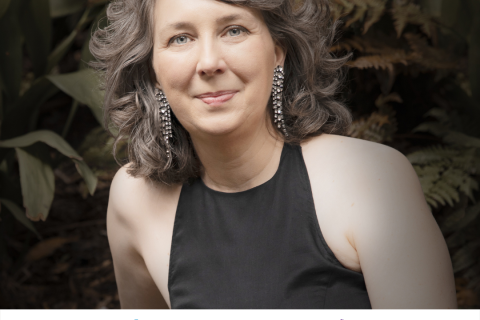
(123, 51)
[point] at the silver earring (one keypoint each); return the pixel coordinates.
(277, 94)
(164, 110)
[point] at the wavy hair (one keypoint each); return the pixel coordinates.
(123, 51)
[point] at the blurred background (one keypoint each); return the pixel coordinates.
(413, 84)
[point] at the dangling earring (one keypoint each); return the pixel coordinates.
(277, 90)
(166, 119)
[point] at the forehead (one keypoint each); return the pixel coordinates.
(177, 13)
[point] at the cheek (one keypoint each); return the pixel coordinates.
(253, 64)
(172, 71)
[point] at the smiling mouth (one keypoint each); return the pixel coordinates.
(216, 98)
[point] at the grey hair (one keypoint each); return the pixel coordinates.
(123, 51)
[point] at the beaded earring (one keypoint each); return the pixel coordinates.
(164, 110)
(277, 95)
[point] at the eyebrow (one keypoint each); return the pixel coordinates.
(225, 19)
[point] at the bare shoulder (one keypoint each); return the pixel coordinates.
(349, 150)
(128, 193)
(140, 219)
(339, 168)
(376, 192)
(364, 179)
(359, 167)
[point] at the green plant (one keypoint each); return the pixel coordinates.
(396, 42)
(28, 26)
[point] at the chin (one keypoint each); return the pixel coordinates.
(219, 126)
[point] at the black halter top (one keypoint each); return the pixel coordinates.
(258, 249)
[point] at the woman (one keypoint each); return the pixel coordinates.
(241, 191)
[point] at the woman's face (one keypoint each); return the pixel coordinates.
(215, 63)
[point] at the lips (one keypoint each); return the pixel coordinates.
(216, 98)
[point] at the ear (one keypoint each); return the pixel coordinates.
(280, 54)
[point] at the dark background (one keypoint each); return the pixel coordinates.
(413, 84)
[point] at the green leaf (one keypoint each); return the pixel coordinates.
(45, 136)
(55, 141)
(11, 50)
(18, 213)
(100, 21)
(3, 7)
(87, 174)
(458, 138)
(83, 86)
(37, 28)
(38, 185)
(433, 127)
(60, 8)
(59, 52)
(18, 119)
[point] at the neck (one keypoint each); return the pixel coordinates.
(239, 161)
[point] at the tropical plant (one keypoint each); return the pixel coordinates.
(413, 84)
(395, 43)
(26, 28)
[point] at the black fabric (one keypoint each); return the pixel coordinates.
(260, 248)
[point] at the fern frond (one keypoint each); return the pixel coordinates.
(428, 56)
(444, 172)
(375, 12)
(373, 47)
(383, 100)
(446, 191)
(374, 128)
(336, 10)
(361, 9)
(468, 186)
(411, 13)
(346, 5)
(376, 61)
(431, 154)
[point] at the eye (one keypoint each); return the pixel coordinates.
(236, 31)
(180, 39)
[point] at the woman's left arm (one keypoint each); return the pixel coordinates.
(403, 255)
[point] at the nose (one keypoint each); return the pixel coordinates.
(210, 60)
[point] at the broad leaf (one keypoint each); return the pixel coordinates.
(18, 213)
(87, 174)
(60, 8)
(37, 29)
(18, 117)
(60, 51)
(55, 141)
(45, 136)
(83, 86)
(100, 21)
(38, 185)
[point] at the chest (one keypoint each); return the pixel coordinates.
(156, 239)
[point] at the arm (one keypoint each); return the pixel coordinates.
(402, 252)
(136, 288)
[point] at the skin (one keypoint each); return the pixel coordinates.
(368, 199)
